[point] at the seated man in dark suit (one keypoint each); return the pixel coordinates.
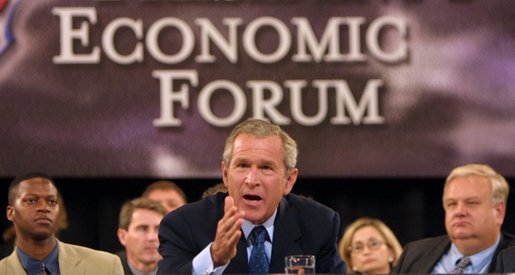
(137, 232)
(33, 209)
(474, 200)
(258, 222)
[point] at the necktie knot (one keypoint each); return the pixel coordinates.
(461, 264)
(258, 235)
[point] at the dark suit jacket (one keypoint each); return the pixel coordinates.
(302, 226)
(123, 257)
(421, 256)
(506, 261)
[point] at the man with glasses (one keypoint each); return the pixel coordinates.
(474, 200)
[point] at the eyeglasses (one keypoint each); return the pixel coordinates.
(359, 247)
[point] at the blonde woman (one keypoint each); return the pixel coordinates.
(368, 246)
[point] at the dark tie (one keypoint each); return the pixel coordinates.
(258, 262)
(44, 270)
(461, 265)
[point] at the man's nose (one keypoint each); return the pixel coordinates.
(251, 177)
(460, 210)
(152, 234)
(42, 205)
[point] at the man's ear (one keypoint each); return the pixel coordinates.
(500, 211)
(121, 235)
(10, 213)
(290, 180)
(224, 173)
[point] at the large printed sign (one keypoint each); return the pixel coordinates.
(152, 88)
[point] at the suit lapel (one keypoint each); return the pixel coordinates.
(68, 261)
(506, 241)
(286, 238)
(239, 264)
(14, 261)
(427, 263)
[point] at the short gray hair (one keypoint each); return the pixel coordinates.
(498, 184)
(262, 128)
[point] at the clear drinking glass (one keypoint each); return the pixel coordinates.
(294, 263)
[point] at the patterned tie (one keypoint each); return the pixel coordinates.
(258, 262)
(461, 265)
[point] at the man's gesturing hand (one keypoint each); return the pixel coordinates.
(228, 234)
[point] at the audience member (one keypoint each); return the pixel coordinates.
(219, 187)
(214, 234)
(33, 209)
(474, 200)
(9, 234)
(169, 194)
(137, 232)
(368, 246)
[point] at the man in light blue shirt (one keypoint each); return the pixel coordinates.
(474, 200)
(479, 262)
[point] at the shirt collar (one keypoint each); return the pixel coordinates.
(480, 261)
(268, 224)
(33, 266)
(137, 272)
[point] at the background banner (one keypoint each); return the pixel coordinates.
(152, 88)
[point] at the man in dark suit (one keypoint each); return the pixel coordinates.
(474, 200)
(215, 234)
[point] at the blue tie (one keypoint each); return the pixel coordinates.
(258, 262)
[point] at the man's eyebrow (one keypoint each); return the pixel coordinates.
(467, 198)
(267, 163)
